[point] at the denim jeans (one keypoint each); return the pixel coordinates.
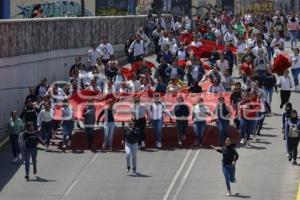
(47, 131)
(181, 126)
(90, 136)
(247, 127)
(295, 73)
(268, 92)
(293, 35)
(131, 7)
(223, 130)
(199, 128)
(141, 124)
(68, 127)
(167, 5)
(229, 174)
(109, 128)
(157, 126)
(14, 141)
(30, 153)
(131, 152)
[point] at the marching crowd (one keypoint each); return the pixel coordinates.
(250, 43)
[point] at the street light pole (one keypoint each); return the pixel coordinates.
(82, 8)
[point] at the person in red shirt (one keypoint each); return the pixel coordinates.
(249, 109)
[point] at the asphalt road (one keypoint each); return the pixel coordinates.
(263, 173)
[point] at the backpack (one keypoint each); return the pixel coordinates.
(293, 131)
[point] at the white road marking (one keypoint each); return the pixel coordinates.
(70, 188)
(177, 175)
(94, 158)
(4, 142)
(183, 180)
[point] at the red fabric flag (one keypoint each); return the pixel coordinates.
(281, 63)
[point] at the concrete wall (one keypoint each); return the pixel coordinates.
(34, 48)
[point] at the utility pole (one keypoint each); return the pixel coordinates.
(82, 8)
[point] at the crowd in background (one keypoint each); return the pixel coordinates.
(251, 43)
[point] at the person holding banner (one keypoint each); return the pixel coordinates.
(89, 119)
(156, 112)
(108, 124)
(222, 113)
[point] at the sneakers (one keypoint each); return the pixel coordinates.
(294, 162)
(27, 177)
(128, 169)
(34, 171)
(158, 145)
(180, 144)
(242, 141)
(143, 144)
(64, 148)
(290, 158)
(247, 143)
(254, 139)
(228, 193)
(134, 170)
(20, 157)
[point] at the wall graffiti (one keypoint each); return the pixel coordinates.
(111, 7)
(57, 9)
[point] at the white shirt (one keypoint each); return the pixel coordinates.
(93, 55)
(256, 49)
(44, 116)
(85, 77)
(222, 65)
(107, 50)
(156, 111)
(285, 83)
(199, 112)
(137, 48)
(295, 62)
(181, 54)
(229, 37)
(241, 48)
(196, 44)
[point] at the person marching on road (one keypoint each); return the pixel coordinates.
(89, 119)
(45, 124)
(130, 140)
(31, 141)
(292, 129)
(67, 124)
(230, 156)
(15, 127)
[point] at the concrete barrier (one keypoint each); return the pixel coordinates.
(34, 48)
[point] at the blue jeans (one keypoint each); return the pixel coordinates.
(131, 7)
(223, 130)
(30, 153)
(131, 152)
(295, 73)
(14, 141)
(247, 127)
(268, 92)
(199, 128)
(109, 128)
(67, 131)
(229, 174)
(90, 135)
(47, 131)
(293, 35)
(157, 126)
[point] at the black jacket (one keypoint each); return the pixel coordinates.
(131, 135)
(229, 155)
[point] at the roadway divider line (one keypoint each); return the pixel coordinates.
(184, 178)
(298, 194)
(4, 141)
(168, 192)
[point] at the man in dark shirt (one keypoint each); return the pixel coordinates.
(230, 156)
(195, 88)
(181, 112)
(228, 55)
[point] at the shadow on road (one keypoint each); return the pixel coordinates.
(268, 135)
(7, 168)
(42, 180)
(139, 175)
